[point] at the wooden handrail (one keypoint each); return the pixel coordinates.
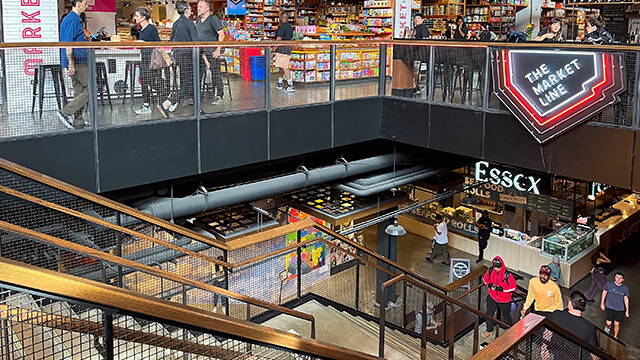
(237, 44)
(87, 195)
(472, 275)
(379, 257)
(522, 330)
(109, 225)
(68, 245)
(51, 282)
(252, 239)
(443, 297)
(470, 291)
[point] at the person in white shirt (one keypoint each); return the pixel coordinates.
(441, 241)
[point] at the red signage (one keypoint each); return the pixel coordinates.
(551, 92)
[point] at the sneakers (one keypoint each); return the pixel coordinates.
(607, 329)
(278, 86)
(478, 261)
(444, 263)
(218, 101)
(65, 120)
(82, 125)
(290, 88)
(486, 334)
(173, 107)
(429, 260)
(162, 111)
(144, 110)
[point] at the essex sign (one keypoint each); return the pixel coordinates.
(551, 92)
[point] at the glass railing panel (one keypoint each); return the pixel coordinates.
(357, 71)
(233, 81)
(410, 71)
(35, 88)
(308, 71)
(130, 83)
(459, 75)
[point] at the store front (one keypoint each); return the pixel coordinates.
(535, 217)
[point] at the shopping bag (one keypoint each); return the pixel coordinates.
(159, 59)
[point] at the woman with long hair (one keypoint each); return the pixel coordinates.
(596, 34)
(552, 33)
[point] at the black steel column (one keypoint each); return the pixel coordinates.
(195, 52)
(107, 323)
(357, 306)
(382, 71)
(223, 299)
(119, 248)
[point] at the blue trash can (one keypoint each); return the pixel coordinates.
(257, 67)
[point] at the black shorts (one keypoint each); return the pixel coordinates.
(613, 315)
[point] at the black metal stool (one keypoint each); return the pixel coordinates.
(102, 83)
(39, 78)
(226, 75)
(130, 72)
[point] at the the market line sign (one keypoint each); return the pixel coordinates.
(551, 92)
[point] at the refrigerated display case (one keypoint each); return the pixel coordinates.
(568, 241)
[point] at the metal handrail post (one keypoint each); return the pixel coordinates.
(382, 322)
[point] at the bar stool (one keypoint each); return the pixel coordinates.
(102, 83)
(226, 76)
(39, 78)
(130, 72)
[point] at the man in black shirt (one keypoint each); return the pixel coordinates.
(183, 31)
(571, 320)
(484, 225)
(420, 31)
(461, 30)
(283, 53)
(210, 28)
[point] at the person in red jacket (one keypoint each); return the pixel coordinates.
(502, 285)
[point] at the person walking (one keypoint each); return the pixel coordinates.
(556, 272)
(501, 285)
(210, 28)
(484, 225)
(148, 77)
(183, 31)
(441, 241)
(283, 53)
(546, 294)
(598, 277)
(615, 303)
(75, 61)
(571, 320)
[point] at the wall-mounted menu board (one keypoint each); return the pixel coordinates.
(615, 21)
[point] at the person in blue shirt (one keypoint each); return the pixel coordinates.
(615, 303)
(75, 61)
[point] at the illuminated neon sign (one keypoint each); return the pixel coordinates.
(551, 92)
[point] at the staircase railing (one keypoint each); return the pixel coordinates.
(69, 257)
(44, 314)
(538, 338)
(449, 307)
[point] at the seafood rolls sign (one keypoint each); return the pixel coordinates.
(550, 92)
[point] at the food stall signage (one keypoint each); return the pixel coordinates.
(496, 175)
(598, 188)
(551, 92)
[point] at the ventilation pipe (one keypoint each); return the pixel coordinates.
(203, 200)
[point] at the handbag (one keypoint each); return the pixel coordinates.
(159, 59)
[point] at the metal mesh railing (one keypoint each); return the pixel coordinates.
(43, 327)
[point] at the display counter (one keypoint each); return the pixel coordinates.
(617, 228)
(519, 252)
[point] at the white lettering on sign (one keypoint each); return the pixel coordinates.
(402, 17)
(497, 176)
(28, 21)
(547, 85)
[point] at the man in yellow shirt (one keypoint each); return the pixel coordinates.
(546, 294)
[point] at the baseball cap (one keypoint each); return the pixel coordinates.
(497, 263)
(544, 269)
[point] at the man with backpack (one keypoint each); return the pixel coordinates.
(501, 285)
